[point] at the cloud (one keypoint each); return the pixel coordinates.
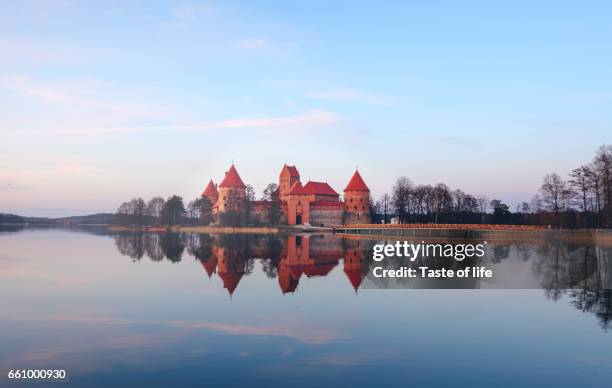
(306, 334)
(349, 95)
(71, 95)
(308, 120)
(309, 335)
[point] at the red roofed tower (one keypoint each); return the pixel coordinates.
(288, 176)
(353, 257)
(230, 269)
(357, 201)
(231, 192)
(211, 192)
(210, 265)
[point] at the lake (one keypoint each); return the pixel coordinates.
(128, 309)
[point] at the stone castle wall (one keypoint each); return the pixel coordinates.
(324, 246)
(326, 215)
(357, 218)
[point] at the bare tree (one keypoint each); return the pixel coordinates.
(269, 191)
(155, 206)
(554, 192)
(580, 182)
(603, 169)
(385, 207)
(442, 200)
(483, 204)
(401, 198)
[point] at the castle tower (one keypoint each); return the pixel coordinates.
(357, 201)
(230, 270)
(292, 265)
(231, 192)
(288, 176)
(211, 193)
(298, 206)
(353, 263)
(210, 265)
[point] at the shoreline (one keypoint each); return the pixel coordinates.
(278, 229)
(407, 231)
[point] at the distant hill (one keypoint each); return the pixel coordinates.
(99, 218)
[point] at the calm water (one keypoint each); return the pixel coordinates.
(163, 310)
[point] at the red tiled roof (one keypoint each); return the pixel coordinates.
(232, 179)
(296, 189)
(210, 191)
(290, 285)
(296, 270)
(356, 183)
(319, 188)
(354, 277)
(230, 280)
(319, 269)
(292, 170)
(210, 265)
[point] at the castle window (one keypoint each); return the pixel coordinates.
(351, 199)
(224, 198)
(360, 199)
(355, 207)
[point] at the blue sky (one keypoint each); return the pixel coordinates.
(102, 102)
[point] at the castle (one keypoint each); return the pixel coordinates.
(315, 203)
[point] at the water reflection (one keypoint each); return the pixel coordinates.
(581, 271)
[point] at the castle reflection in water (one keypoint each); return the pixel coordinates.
(583, 272)
(232, 256)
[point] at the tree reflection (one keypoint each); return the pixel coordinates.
(153, 246)
(582, 272)
(172, 246)
(130, 244)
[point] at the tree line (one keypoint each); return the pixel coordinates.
(410, 203)
(582, 201)
(158, 211)
(172, 211)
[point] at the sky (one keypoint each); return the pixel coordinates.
(101, 102)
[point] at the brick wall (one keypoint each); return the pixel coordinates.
(326, 216)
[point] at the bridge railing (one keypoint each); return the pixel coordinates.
(445, 226)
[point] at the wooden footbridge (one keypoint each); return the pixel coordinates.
(432, 230)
